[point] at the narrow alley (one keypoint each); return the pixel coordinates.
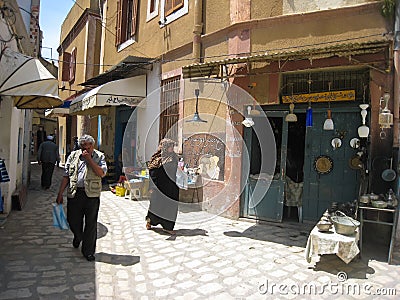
(214, 259)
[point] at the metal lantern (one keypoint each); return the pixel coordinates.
(385, 116)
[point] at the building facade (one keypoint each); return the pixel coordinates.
(79, 59)
(19, 19)
(311, 54)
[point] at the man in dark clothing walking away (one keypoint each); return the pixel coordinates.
(47, 156)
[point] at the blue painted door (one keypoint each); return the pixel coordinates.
(342, 183)
(263, 199)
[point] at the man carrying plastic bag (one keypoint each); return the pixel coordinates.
(59, 219)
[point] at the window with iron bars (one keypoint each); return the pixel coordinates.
(169, 106)
(338, 80)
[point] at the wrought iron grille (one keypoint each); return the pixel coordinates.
(315, 82)
(169, 105)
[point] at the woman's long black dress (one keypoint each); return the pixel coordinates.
(164, 199)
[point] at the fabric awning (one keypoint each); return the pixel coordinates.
(128, 91)
(131, 66)
(60, 111)
(26, 79)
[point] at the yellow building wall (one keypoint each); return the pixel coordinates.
(71, 88)
(151, 40)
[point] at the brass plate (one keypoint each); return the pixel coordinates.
(355, 163)
(323, 164)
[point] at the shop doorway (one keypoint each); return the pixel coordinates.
(294, 178)
(258, 203)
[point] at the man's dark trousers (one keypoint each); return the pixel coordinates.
(47, 174)
(84, 210)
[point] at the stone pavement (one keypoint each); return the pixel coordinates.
(214, 258)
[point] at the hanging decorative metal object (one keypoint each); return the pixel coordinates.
(309, 112)
(385, 116)
(309, 116)
(328, 124)
(363, 130)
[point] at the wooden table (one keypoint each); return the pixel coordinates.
(365, 217)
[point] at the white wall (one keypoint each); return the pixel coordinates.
(148, 116)
(11, 119)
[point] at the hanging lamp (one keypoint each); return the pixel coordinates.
(328, 124)
(196, 117)
(248, 121)
(291, 116)
(363, 130)
(385, 116)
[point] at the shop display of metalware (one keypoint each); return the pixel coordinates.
(344, 224)
(379, 203)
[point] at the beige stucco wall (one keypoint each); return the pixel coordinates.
(337, 27)
(261, 9)
(151, 40)
(215, 50)
(74, 14)
(86, 42)
(215, 14)
(302, 6)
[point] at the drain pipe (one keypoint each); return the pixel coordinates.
(197, 30)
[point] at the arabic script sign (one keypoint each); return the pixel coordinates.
(117, 100)
(333, 96)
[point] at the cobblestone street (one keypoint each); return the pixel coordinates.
(215, 259)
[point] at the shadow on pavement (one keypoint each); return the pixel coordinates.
(101, 230)
(357, 268)
(284, 234)
(116, 259)
(181, 232)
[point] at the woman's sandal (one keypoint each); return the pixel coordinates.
(148, 225)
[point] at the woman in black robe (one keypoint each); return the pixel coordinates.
(164, 197)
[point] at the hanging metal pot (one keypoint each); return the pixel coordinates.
(389, 174)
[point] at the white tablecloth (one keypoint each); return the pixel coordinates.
(345, 247)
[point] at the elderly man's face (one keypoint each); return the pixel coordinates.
(87, 146)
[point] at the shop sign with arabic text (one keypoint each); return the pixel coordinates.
(333, 96)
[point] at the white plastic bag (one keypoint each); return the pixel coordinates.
(181, 179)
(59, 219)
